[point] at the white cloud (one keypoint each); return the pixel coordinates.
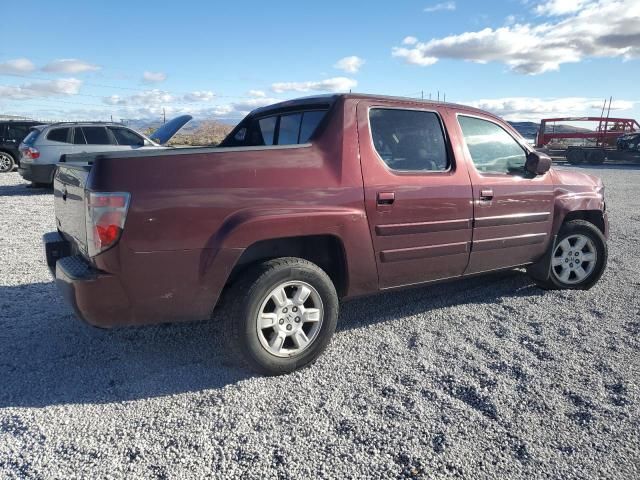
(49, 88)
(199, 96)
(604, 28)
(336, 84)
(148, 97)
(534, 108)
(349, 64)
(17, 66)
(409, 40)
(559, 7)
(160, 98)
(257, 93)
(154, 77)
(439, 7)
(69, 65)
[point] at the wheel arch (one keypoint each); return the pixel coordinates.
(325, 250)
(592, 216)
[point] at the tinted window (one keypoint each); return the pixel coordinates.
(266, 130)
(58, 135)
(16, 132)
(31, 138)
(310, 121)
(492, 149)
(289, 129)
(96, 135)
(78, 137)
(124, 136)
(409, 140)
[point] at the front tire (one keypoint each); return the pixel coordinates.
(281, 316)
(579, 257)
(7, 162)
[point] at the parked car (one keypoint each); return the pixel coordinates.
(311, 201)
(42, 149)
(12, 132)
(629, 141)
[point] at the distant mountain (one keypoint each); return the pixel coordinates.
(529, 130)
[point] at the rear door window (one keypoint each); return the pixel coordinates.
(59, 135)
(124, 136)
(409, 140)
(96, 135)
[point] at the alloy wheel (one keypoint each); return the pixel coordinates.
(289, 319)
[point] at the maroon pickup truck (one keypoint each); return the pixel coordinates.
(310, 201)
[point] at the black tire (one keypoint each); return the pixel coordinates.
(575, 156)
(596, 157)
(569, 230)
(244, 302)
(7, 162)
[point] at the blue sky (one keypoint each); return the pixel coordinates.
(523, 59)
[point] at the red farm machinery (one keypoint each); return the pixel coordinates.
(585, 145)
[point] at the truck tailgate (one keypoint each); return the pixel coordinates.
(69, 199)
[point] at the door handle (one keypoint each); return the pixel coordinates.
(486, 194)
(386, 198)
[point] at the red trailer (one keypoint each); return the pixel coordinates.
(585, 145)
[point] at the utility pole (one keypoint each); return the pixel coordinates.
(422, 94)
(164, 116)
(438, 96)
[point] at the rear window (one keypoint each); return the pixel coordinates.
(96, 135)
(58, 135)
(31, 137)
(281, 129)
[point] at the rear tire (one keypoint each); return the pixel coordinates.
(596, 157)
(575, 156)
(7, 162)
(578, 259)
(281, 315)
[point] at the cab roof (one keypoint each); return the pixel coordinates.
(330, 99)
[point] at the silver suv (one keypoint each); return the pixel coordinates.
(42, 148)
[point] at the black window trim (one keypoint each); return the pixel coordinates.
(447, 142)
(523, 146)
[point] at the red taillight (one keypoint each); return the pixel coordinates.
(106, 214)
(31, 152)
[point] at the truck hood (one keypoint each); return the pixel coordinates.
(169, 129)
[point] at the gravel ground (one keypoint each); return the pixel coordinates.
(485, 378)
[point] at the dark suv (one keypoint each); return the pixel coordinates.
(12, 132)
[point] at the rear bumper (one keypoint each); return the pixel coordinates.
(33, 172)
(97, 297)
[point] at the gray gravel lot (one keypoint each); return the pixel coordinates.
(484, 378)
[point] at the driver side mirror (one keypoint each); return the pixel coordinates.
(537, 163)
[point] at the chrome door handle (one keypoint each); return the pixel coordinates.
(386, 198)
(486, 194)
